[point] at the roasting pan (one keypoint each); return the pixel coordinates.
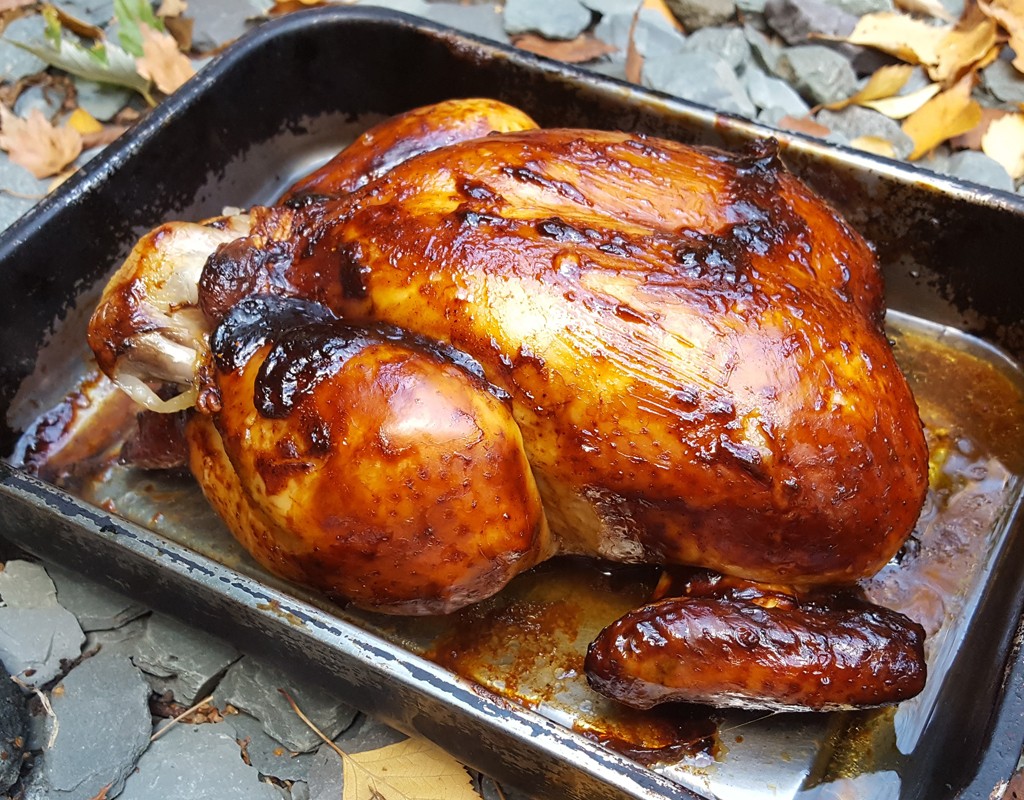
(281, 101)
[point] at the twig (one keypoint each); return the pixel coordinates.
(46, 707)
(180, 716)
(309, 723)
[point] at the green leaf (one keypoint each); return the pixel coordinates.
(130, 14)
(53, 26)
(101, 63)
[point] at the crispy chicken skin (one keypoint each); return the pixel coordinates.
(581, 342)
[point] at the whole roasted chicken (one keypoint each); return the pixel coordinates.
(467, 344)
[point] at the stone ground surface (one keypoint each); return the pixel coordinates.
(105, 664)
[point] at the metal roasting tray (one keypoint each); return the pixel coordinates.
(281, 101)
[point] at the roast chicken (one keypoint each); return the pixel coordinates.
(467, 344)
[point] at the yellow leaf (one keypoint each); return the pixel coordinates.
(162, 62)
(926, 8)
(876, 145)
(902, 106)
(36, 145)
(1004, 142)
(1009, 14)
(946, 115)
(414, 769)
(84, 122)
(884, 83)
(962, 48)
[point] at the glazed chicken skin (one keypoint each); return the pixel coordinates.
(634, 350)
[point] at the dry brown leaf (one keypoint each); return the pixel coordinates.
(289, 6)
(414, 769)
(972, 139)
(171, 8)
(104, 136)
(634, 61)
(804, 125)
(874, 144)
(36, 145)
(948, 114)
(10, 5)
(181, 29)
(945, 52)
(1004, 142)
(584, 47)
(77, 26)
(901, 106)
(884, 83)
(926, 8)
(1009, 14)
(162, 62)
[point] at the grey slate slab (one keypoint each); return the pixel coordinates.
(13, 730)
(971, 165)
(697, 14)
(653, 35)
(251, 685)
(48, 99)
(481, 19)
(767, 92)
(607, 7)
(16, 63)
(765, 51)
(181, 659)
(855, 121)
(728, 43)
(819, 74)
(26, 584)
(218, 22)
(861, 7)
(553, 19)
(101, 100)
(102, 708)
(96, 607)
(796, 20)
(1003, 81)
(196, 762)
(268, 755)
(95, 12)
(701, 78)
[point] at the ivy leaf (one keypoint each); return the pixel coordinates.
(103, 63)
(131, 15)
(413, 769)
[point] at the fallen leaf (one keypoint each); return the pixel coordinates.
(901, 106)
(972, 139)
(926, 8)
(1009, 14)
(172, 8)
(290, 6)
(948, 114)
(661, 7)
(874, 144)
(1004, 142)
(885, 82)
(75, 25)
(584, 47)
(104, 136)
(804, 125)
(132, 16)
(84, 122)
(946, 52)
(161, 61)
(634, 61)
(414, 769)
(181, 29)
(10, 5)
(35, 144)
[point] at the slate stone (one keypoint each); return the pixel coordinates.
(419, 8)
(653, 35)
(480, 19)
(700, 78)
(217, 22)
(36, 634)
(764, 52)
(23, 191)
(861, 7)
(1003, 81)
(13, 730)
(16, 63)
(182, 659)
(104, 726)
(552, 19)
(607, 7)
(251, 685)
(819, 74)
(767, 92)
(95, 12)
(96, 607)
(48, 99)
(26, 584)
(970, 165)
(795, 20)
(268, 755)
(854, 122)
(101, 100)
(197, 762)
(728, 43)
(697, 14)
(300, 791)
